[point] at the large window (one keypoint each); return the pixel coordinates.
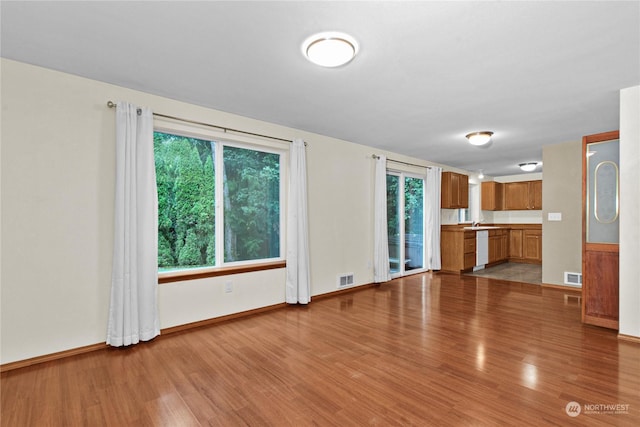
(466, 215)
(196, 175)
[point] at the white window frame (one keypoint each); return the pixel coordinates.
(221, 140)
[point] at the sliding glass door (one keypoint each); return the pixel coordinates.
(405, 222)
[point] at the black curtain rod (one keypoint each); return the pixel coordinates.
(111, 104)
(375, 156)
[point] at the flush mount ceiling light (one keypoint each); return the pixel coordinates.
(330, 49)
(479, 138)
(528, 167)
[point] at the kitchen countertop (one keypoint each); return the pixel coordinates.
(467, 227)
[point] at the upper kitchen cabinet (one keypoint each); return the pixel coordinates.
(535, 194)
(525, 195)
(454, 191)
(492, 196)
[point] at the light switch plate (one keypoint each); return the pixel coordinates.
(555, 216)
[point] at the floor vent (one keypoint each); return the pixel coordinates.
(345, 280)
(573, 279)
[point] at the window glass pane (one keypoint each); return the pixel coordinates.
(603, 192)
(251, 204)
(393, 221)
(186, 188)
(413, 219)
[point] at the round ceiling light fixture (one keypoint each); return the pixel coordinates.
(330, 49)
(528, 167)
(479, 138)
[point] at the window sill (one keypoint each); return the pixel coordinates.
(180, 276)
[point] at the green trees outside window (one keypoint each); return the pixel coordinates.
(251, 204)
(186, 175)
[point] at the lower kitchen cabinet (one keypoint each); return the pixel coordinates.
(498, 245)
(510, 242)
(525, 243)
(515, 243)
(457, 249)
(532, 245)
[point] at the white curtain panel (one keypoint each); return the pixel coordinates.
(133, 313)
(298, 286)
(432, 217)
(381, 269)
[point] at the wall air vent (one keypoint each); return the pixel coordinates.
(573, 279)
(345, 280)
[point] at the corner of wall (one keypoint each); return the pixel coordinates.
(630, 206)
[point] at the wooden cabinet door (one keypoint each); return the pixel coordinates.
(488, 196)
(492, 196)
(523, 195)
(516, 195)
(515, 244)
(494, 248)
(535, 195)
(532, 245)
(451, 250)
(454, 191)
(463, 191)
(504, 245)
(447, 190)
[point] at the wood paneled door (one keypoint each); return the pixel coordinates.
(600, 229)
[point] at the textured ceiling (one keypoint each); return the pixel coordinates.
(535, 73)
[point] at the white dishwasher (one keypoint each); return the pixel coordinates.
(482, 249)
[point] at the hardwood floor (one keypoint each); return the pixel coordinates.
(441, 350)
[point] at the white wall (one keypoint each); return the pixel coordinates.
(562, 193)
(629, 211)
(57, 182)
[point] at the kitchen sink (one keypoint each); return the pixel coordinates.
(481, 227)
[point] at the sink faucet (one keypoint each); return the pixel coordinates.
(475, 224)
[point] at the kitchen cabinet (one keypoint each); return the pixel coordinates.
(492, 196)
(498, 246)
(516, 195)
(515, 244)
(532, 245)
(535, 194)
(509, 242)
(457, 249)
(524, 195)
(454, 191)
(525, 243)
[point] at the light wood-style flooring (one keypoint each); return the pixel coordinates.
(427, 350)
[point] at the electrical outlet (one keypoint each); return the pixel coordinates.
(228, 287)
